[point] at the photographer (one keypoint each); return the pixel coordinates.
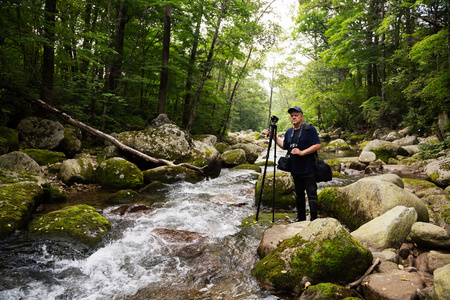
(302, 143)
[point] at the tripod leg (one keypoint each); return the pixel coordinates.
(274, 173)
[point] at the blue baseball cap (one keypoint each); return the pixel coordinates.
(295, 108)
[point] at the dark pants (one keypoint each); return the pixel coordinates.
(305, 183)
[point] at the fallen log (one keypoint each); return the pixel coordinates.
(122, 147)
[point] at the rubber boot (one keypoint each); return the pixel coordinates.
(301, 212)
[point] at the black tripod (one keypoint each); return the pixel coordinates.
(273, 133)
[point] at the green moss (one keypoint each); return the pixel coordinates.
(330, 291)
(53, 194)
(248, 167)
(45, 157)
(265, 220)
(13, 176)
(80, 223)
(9, 139)
(330, 200)
(284, 195)
(423, 183)
(123, 197)
(172, 174)
(119, 174)
(17, 203)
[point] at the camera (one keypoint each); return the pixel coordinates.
(274, 119)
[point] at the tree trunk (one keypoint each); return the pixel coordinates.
(188, 95)
(48, 58)
(206, 69)
(133, 153)
(165, 61)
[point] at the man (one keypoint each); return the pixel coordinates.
(302, 143)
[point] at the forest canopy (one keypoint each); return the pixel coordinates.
(117, 64)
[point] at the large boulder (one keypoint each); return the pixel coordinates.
(276, 234)
(45, 157)
(71, 143)
(251, 151)
(439, 210)
(18, 201)
(388, 230)
(20, 161)
(169, 142)
(438, 171)
(397, 284)
(442, 283)
(41, 133)
(385, 150)
(77, 224)
(171, 174)
(364, 200)
(9, 140)
(117, 173)
(284, 190)
(166, 141)
(335, 145)
(429, 236)
(323, 252)
(328, 291)
(79, 170)
(232, 158)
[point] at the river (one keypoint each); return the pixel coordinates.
(133, 262)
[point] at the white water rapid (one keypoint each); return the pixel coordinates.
(135, 262)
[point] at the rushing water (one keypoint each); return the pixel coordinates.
(134, 262)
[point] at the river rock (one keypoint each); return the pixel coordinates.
(367, 157)
(336, 145)
(233, 158)
(388, 230)
(9, 140)
(407, 141)
(180, 243)
(392, 178)
(392, 136)
(77, 224)
(17, 203)
(398, 285)
(322, 252)
(437, 259)
(45, 157)
(412, 149)
(8, 177)
(385, 150)
(41, 133)
(438, 171)
(442, 283)
(166, 141)
(439, 209)
(205, 154)
(171, 174)
(20, 161)
(71, 143)
(284, 190)
(76, 170)
(275, 235)
(428, 141)
(251, 151)
(117, 173)
(430, 236)
(364, 200)
(419, 187)
(170, 142)
(328, 291)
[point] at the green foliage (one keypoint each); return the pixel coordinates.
(431, 151)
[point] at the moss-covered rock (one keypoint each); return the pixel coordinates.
(284, 190)
(222, 147)
(71, 143)
(336, 145)
(78, 224)
(13, 176)
(172, 174)
(323, 252)
(54, 194)
(123, 197)
(45, 157)
(232, 158)
(248, 167)
(366, 199)
(17, 203)
(79, 170)
(385, 150)
(9, 140)
(329, 291)
(117, 173)
(251, 151)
